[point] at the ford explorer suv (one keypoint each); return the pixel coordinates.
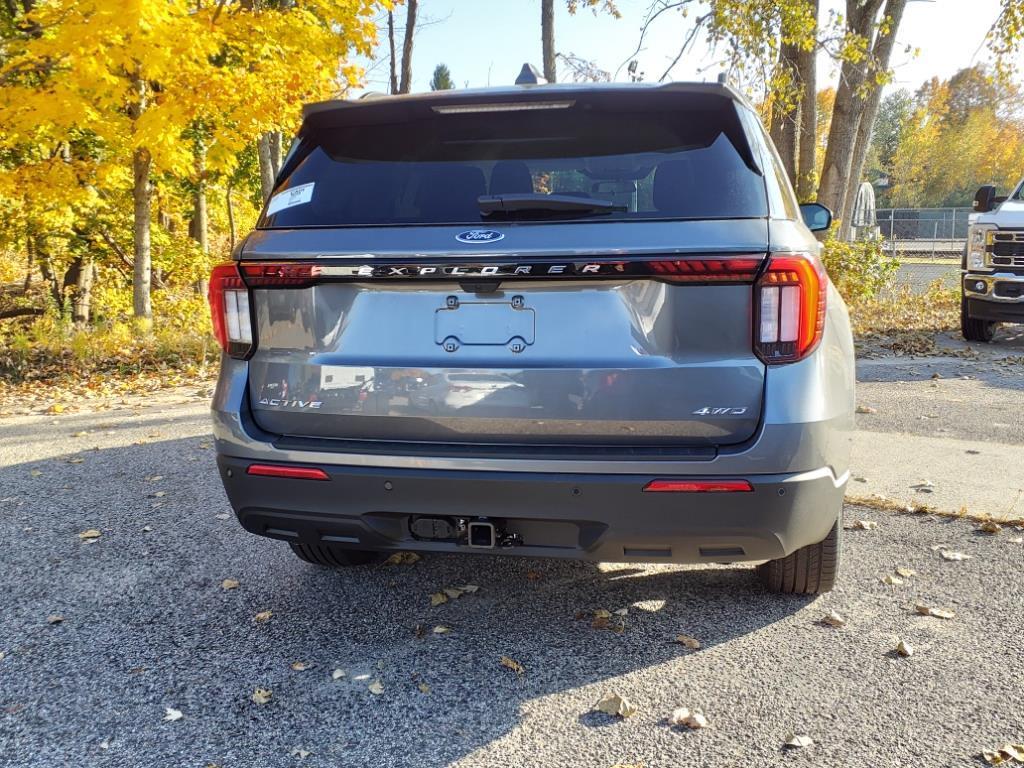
(576, 321)
(993, 265)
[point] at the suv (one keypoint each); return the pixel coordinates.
(993, 264)
(584, 321)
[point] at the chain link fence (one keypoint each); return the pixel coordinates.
(928, 242)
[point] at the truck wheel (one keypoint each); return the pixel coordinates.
(973, 329)
(335, 557)
(809, 570)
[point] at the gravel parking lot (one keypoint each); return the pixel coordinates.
(146, 626)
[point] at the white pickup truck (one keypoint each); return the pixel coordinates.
(993, 264)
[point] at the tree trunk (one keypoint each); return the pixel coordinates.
(547, 38)
(846, 114)
(81, 299)
(198, 228)
(276, 140)
(391, 47)
(882, 53)
(410, 28)
(786, 118)
(231, 218)
(30, 262)
(266, 165)
(142, 163)
(806, 72)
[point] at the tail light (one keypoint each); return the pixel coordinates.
(790, 307)
(229, 311)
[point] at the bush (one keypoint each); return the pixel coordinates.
(859, 270)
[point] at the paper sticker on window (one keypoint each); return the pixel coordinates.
(290, 197)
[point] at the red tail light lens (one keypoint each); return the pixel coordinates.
(229, 311)
(790, 307)
(698, 486)
(729, 270)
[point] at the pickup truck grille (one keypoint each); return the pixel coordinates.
(1008, 249)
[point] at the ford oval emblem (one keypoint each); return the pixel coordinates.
(479, 236)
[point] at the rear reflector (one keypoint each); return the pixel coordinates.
(294, 473)
(698, 486)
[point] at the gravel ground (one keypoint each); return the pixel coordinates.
(147, 626)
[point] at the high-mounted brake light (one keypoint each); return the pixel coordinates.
(293, 473)
(229, 310)
(698, 486)
(790, 307)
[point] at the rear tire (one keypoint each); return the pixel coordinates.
(973, 329)
(808, 571)
(335, 557)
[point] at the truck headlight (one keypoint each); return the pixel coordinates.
(978, 240)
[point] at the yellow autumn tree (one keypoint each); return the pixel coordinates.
(98, 98)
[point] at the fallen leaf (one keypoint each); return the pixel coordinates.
(906, 573)
(798, 741)
(83, 433)
(147, 529)
(424, 688)
(833, 619)
(300, 666)
(622, 612)
(903, 648)
(154, 478)
(990, 526)
(92, 533)
(600, 622)
(469, 589)
(35, 473)
(76, 460)
(891, 580)
(690, 642)
(453, 593)
(171, 714)
(691, 719)
(56, 408)
(3, 655)
(512, 664)
(441, 629)
(437, 598)
(866, 409)
(949, 555)
(376, 688)
(938, 613)
(229, 584)
(262, 695)
(158, 494)
(863, 525)
(615, 705)
(1006, 753)
(262, 616)
(302, 754)
(54, 619)
(402, 558)
(533, 575)
(601, 613)
(337, 674)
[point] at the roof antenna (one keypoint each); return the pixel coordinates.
(529, 75)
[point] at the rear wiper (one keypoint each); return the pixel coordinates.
(492, 205)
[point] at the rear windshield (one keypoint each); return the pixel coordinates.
(650, 163)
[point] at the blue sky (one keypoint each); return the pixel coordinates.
(487, 41)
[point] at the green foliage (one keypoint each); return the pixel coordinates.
(858, 269)
(442, 79)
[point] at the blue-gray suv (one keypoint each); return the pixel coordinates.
(581, 321)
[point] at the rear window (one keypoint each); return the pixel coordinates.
(653, 163)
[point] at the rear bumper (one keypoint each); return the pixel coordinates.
(580, 516)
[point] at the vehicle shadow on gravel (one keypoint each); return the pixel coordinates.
(147, 624)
